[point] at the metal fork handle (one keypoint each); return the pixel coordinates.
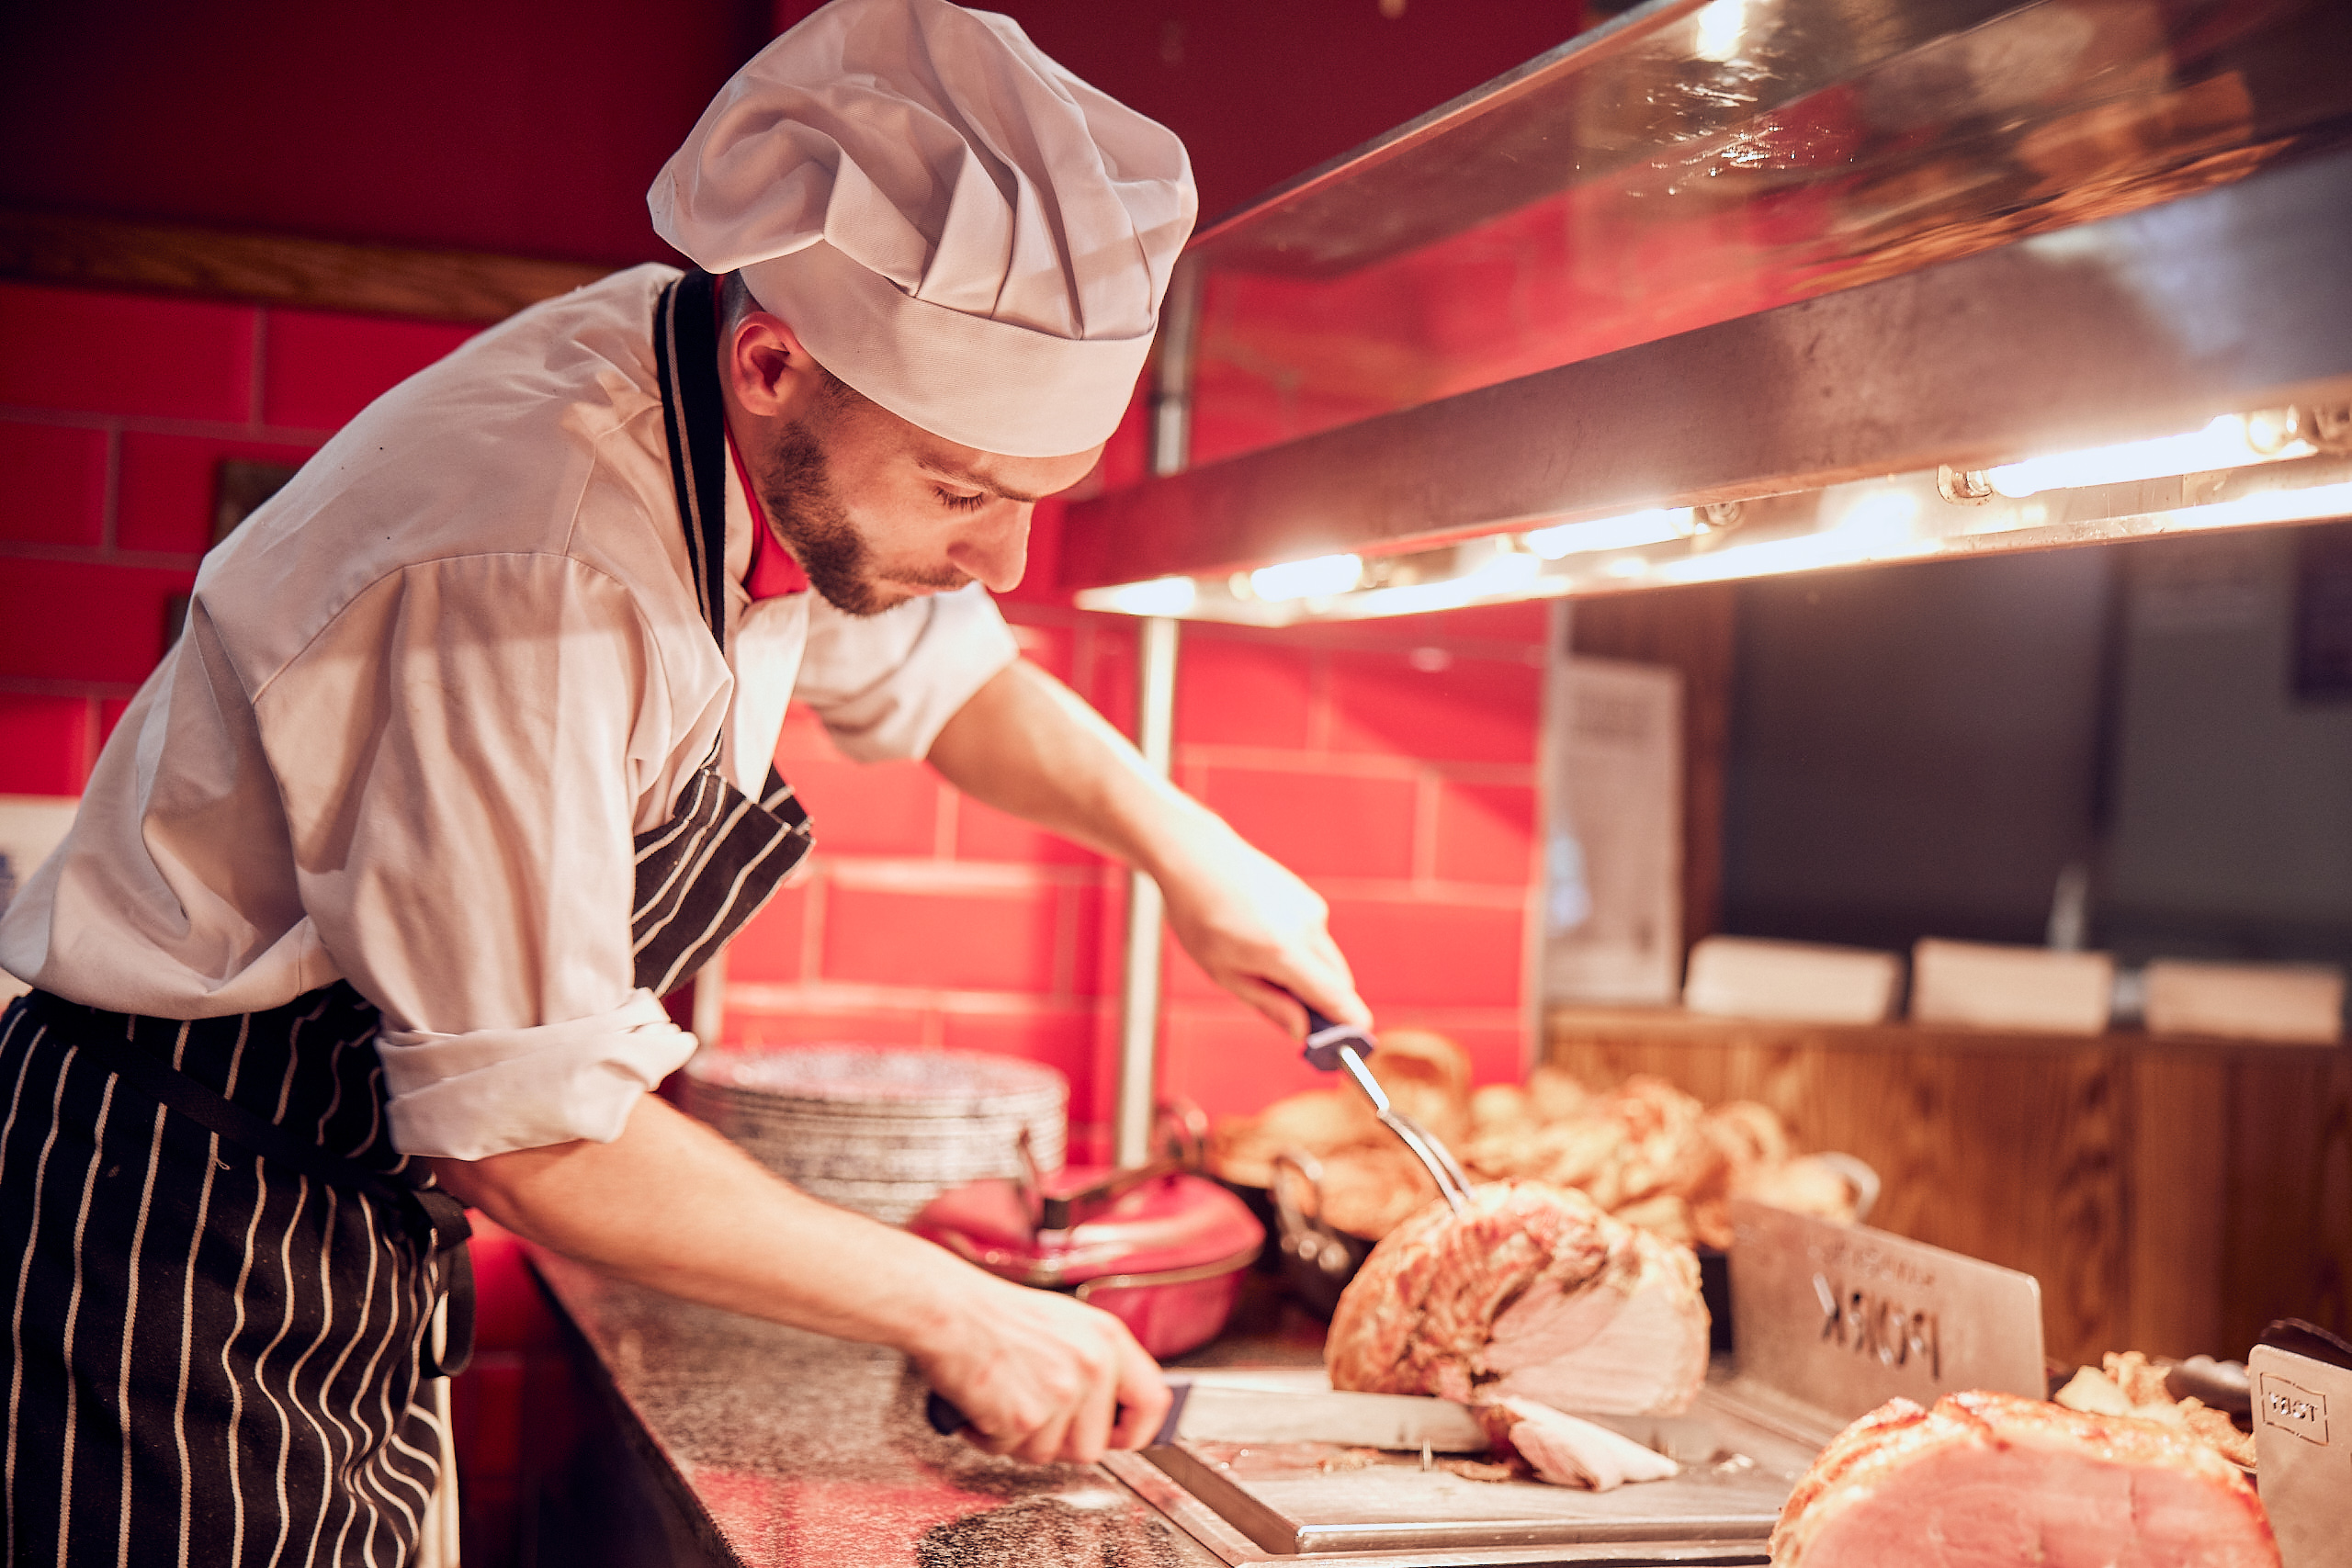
(1342, 1047)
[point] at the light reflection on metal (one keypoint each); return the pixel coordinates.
(1874, 237)
(2148, 324)
(1900, 517)
(1689, 164)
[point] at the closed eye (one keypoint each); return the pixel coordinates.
(957, 502)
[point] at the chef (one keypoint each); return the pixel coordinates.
(463, 760)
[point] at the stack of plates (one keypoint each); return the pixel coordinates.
(881, 1131)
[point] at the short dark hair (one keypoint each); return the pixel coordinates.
(735, 300)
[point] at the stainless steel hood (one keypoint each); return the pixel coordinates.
(1784, 284)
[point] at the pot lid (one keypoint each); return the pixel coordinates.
(1171, 1222)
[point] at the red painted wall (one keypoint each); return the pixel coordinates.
(518, 126)
(1260, 91)
(530, 127)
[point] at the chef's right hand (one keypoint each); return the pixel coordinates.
(1042, 1376)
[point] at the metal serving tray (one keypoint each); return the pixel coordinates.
(1739, 1465)
(1833, 1320)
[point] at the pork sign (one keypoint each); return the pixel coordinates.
(1844, 1318)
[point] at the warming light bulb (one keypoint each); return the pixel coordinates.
(1317, 578)
(1628, 531)
(2232, 441)
(1156, 596)
(1719, 29)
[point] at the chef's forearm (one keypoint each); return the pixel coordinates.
(1027, 745)
(671, 1205)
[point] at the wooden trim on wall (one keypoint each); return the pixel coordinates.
(277, 270)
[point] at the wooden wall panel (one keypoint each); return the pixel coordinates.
(2288, 1246)
(2179, 1218)
(2171, 1197)
(82, 251)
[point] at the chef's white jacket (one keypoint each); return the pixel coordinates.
(425, 698)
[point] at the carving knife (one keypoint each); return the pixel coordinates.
(1214, 1410)
(1243, 1408)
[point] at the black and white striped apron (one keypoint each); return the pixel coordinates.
(212, 1351)
(209, 1359)
(722, 855)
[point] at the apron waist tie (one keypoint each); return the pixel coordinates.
(435, 1219)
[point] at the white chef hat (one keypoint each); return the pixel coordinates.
(952, 223)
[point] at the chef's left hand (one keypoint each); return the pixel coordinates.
(1258, 930)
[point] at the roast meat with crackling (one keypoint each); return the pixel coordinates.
(1535, 1293)
(1992, 1480)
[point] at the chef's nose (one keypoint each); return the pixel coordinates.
(996, 551)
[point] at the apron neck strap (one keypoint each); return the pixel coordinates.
(694, 417)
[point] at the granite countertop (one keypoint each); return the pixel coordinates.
(786, 1449)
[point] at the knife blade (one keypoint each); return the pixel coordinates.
(1275, 1409)
(1210, 1411)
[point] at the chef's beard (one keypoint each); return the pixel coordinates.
(797, 490)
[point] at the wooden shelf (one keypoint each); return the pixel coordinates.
(1674, 1024)
(88, 251)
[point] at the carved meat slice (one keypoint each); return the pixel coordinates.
(1567, 1451)
(1534, 1292)
(1990, 1480)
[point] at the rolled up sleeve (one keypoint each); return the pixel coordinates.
(493, 1091)
(885, 685)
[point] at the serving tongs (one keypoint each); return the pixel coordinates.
(1341, 1047)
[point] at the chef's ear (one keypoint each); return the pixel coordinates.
(764, 365)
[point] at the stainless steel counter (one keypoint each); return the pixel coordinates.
(753, 1446)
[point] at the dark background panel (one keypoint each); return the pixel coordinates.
(1921, 750)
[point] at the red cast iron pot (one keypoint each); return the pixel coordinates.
(1164, 1252)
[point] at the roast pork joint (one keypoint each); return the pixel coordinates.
(1991, 1480)
(1534, 1292)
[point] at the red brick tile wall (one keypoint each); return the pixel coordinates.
(1393, 767)
(115, 410)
